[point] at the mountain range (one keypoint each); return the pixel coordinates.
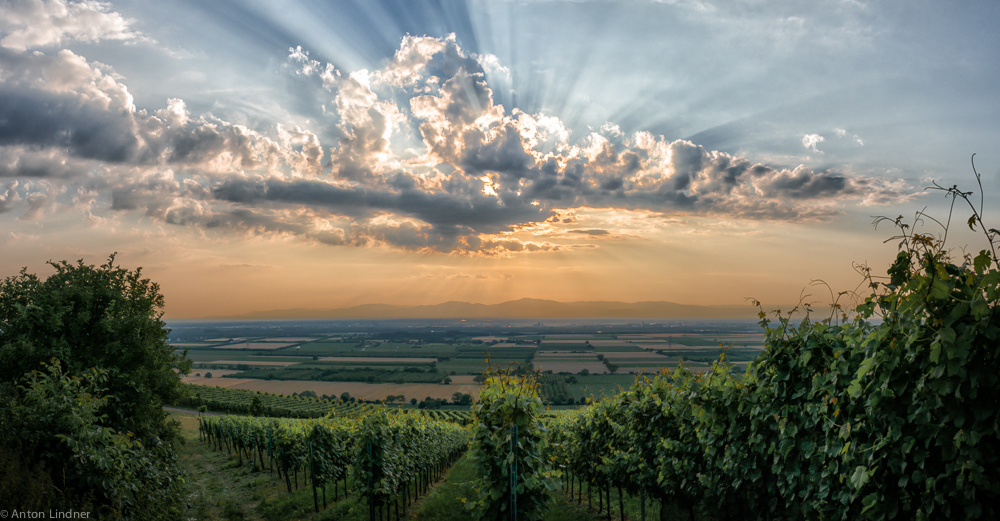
(523, 308)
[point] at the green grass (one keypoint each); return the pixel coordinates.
(444, 503)
(220, 488)
(618, 349)
(475, 365)
(392, 349)
(212, 355)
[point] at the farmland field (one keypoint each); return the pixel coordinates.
(377, 359)
(255, 345)
(364, 391)
(215, 374)
(393, 358)
(254, 362)
(571, 366)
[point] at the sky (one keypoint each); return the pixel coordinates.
(256, 155)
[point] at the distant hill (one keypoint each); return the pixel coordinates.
(523, 308)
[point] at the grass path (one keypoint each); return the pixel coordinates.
(444, 503)
(220, 488)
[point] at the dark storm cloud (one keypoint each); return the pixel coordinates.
(53, 120)
(804, 184)
(591, 232)
(445, 212)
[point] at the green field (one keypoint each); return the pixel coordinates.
(407, 356)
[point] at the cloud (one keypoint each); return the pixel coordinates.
(8, 196)
(842, 133)
(811, 140)
(63, 102)
(425, 159)
(29, 24)
(590, 232)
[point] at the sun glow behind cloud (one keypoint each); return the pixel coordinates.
(476, 150)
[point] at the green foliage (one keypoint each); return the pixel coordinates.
(382, 450)
(241, 401)
(393, 448)
(256, 406)
(90, 425)
(553, 390)
(845, 418)
(55, 421)
(330, 373)
(508, 409)
(104, 317)
(928, 388)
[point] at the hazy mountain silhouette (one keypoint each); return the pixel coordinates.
(523, 308)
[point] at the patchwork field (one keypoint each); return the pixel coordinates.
(609, 343)
(626, 355)
(256, 345)
(364, 391)
(571, 366)
(377, 359)
(412, 361)
(215, 380)
(253, 362)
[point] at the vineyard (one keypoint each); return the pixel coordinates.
(889, 412)
(391, 458)
(838, 419)
(553, 389)
(240, 401)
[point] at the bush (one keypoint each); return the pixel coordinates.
(886, 413)
(103, 317)
(85, 370)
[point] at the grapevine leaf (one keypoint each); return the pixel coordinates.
(859, 478)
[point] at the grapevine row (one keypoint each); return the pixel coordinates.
(239, 401)
(392, 457)
(856, 420)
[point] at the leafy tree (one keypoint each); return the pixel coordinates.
(103, 317)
